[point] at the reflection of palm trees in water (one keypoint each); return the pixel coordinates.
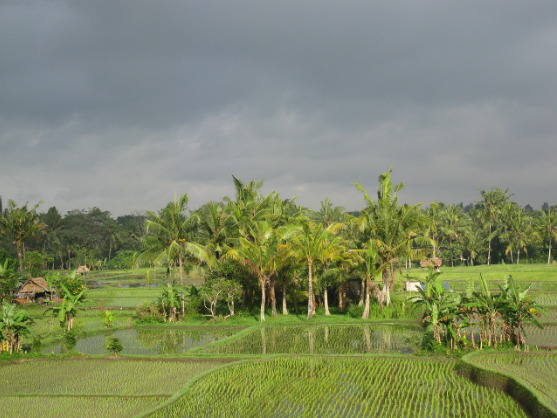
(263, 341)
(311, 339)
(385, 342)
(367, 338)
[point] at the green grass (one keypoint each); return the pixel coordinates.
(521, 273)
(373, 386)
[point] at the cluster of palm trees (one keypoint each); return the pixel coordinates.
(281, 242)
(498, 317)
(493, 229)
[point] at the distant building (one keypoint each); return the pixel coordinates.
(35, 290)
(434, 262)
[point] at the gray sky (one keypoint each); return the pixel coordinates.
(122, 104)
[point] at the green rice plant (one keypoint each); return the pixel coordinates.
(82, 406)
(546, 337)
(537, 369)
(99, 377)
(341, 386)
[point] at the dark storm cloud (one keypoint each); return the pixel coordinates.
(121, 104)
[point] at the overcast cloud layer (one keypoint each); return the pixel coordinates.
(122, 104)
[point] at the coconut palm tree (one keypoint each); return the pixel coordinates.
(368, 269)
(518, 232)
(259, 249)
(215, 227)
(170, 234)
(392, 227)
(311, 242)
(491, 206)
(20, 224)
(547, 228)
(249, 206)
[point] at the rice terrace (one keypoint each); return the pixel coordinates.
(255, 306)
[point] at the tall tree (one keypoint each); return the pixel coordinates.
(172, 234)
(491, 205)
(215, 227)
(20, 224)
(52, 221)
(311, 242)
(392, 227)
(258, 247)
(547, 228)
(368, 269)
(518, 231)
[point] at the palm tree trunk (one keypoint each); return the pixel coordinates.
(284, 310)
(326, 301)
(273, 298)
(386, 285)
(181, 267)
(262, 282)
(489, 247)
(19, 255)
(342, 296)
(310, 288)
(549, 252)
(365, 315)
(362, 292)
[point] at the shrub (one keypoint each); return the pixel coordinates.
(34, 263)
(113, 345)
(123, 260)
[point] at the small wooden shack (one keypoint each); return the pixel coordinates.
(35, 290)
(434, 262)
(83, 270)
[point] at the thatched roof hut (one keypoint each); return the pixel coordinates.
(434, 262)
(35, 289)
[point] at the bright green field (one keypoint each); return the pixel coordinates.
(298, 384)
(92, 387)
(370, 387)
(537, 370)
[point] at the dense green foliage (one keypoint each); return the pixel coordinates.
(240, 259)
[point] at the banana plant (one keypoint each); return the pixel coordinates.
(14, 324)
(440, 308)
(66, 312)
(516, 308)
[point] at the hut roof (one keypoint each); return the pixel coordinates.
(431, 262)
(35, 285)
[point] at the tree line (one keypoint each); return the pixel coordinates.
(270, 245)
